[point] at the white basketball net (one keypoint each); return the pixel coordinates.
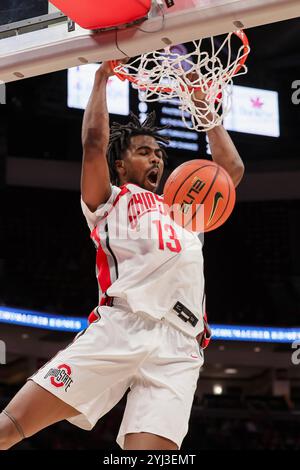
(166, 74)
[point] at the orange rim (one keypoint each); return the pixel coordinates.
(125, 76)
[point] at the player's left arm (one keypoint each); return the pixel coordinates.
(223, 150)
(225, 154)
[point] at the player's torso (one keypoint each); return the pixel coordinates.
(149, 260)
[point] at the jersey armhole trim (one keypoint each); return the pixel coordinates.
(124, 190)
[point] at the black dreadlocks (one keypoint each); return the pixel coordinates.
(120, 135)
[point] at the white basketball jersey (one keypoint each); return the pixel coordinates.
(146, 259)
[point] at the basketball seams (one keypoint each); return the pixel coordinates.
(191, 174)
(178, 189)
(226, 183)
(211, 185)
(228, 199)
(208, 191)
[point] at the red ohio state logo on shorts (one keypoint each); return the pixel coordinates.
(60, 376)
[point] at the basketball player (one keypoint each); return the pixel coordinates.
(148, 332)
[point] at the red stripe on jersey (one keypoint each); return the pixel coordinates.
(123, 191)
(92, 317)
(104, 279)
(205, 336)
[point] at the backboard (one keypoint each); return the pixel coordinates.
(57, 46)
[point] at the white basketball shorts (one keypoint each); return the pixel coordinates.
(122, 350)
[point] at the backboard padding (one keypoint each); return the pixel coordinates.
(55, 48)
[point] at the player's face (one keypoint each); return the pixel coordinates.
(143, 163)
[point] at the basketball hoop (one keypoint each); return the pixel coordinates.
(167, 74)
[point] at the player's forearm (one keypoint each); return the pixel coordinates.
(95, 126)
(225, 154)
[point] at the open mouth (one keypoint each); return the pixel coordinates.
(152, 177)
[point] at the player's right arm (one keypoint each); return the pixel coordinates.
(95, 179)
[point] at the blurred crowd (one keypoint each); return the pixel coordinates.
(213, 429)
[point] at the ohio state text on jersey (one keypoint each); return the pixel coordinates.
(146, 259)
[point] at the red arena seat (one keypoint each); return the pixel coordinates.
(96, 14)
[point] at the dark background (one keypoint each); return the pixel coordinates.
(17, 10)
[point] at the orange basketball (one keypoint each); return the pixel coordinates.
(200, 195)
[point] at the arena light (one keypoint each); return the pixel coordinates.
(41, 320)
(47, 321)
(253, 333)
(231, 371)
(217, 389)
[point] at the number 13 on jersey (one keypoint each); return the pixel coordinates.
(166, 231)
